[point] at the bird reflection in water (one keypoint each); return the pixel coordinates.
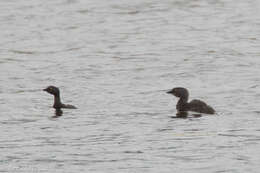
(184, 114)
(58, 113)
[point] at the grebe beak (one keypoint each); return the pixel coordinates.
(169, 92)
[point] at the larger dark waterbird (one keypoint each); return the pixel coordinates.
(57, 101)
(195, 105)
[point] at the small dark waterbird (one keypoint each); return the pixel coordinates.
(57, 101)
(195, 105)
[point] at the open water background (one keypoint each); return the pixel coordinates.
(114, 60)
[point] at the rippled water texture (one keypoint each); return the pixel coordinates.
(114, 60)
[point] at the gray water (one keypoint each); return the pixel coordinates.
(114, 60)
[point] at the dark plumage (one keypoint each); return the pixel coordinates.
(194, 105)
(57, 102)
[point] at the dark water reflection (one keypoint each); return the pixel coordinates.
(58, 113)
(115, 59)
(187, 115)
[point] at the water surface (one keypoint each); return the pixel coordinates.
(115, 60)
